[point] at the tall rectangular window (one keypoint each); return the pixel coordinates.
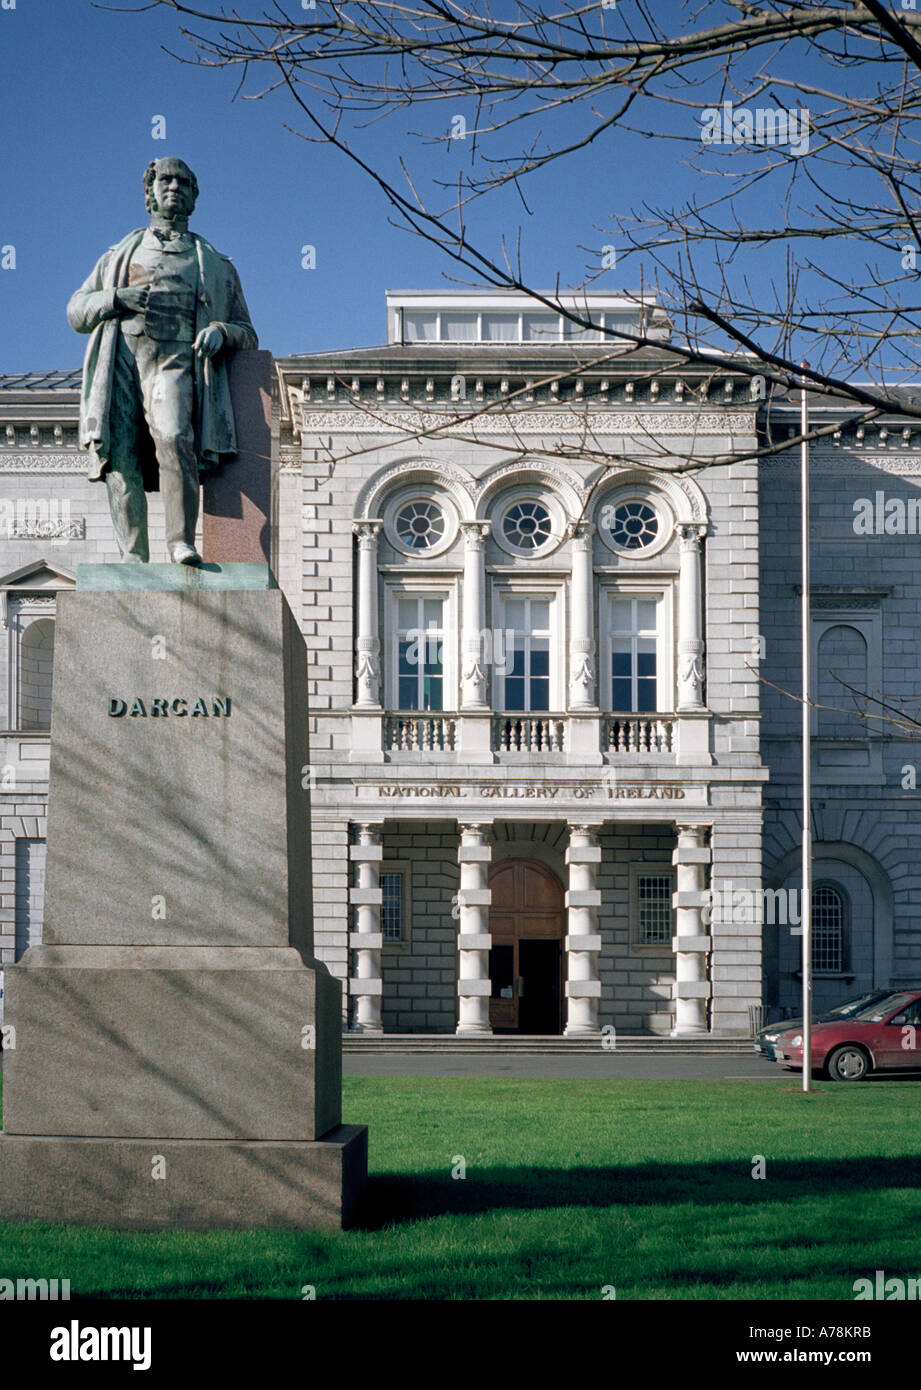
(653, 906)
(392, 905)
(527, 677)
(634, 653)
(827, 929)
(30, 894)
(420, 644)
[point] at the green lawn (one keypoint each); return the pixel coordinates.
(570, 1186)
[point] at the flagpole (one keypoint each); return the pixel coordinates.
(807, 750)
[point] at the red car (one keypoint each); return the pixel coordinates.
(886, 1036)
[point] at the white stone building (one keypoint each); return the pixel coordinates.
(536, 612)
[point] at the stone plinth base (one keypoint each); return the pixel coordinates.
(204, 1042)
(177, 808)
(185, 1184)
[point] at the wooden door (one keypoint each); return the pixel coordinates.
(526, 910)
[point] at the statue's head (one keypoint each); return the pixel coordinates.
(170, 187)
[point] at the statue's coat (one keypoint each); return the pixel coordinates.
(220, 301)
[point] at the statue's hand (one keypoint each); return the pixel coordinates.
(209, 341)
(132, 299)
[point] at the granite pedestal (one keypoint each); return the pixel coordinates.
(175, 1018)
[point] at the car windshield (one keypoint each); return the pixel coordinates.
(890, 1005)
(854, 1006)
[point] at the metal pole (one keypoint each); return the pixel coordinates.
(807, 753)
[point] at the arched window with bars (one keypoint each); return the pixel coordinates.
(829, 929)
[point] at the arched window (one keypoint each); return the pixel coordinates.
(829, 944)
(842, 656)
(36, 653)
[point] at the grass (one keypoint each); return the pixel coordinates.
(570, 1186)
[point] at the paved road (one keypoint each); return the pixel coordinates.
(676, 1068)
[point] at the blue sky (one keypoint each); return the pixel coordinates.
(81, 89)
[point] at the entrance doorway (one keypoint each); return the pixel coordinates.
(527, 924)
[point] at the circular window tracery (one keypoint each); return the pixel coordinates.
(527, 526)
(634, 525)
(420, 525)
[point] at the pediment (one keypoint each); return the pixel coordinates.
(38, 574)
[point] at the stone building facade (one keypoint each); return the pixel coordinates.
(865, 490)
(551, 769)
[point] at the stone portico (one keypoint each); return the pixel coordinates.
(437, 969)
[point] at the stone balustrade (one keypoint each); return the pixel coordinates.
(420, 733)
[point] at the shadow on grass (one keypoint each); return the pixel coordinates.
(392, 1199)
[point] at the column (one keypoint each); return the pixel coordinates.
(692, 944)
(690, 633)
(473, 665)
(365, 939)
(583, 899)
(582, 619)
(367, 641)
(473, 940)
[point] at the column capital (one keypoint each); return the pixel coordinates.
(368, 532)
(590, 828)
(475, 827)
(691, 534)
(580, 533)
(694, 832)
(475, 533)
(369, 832)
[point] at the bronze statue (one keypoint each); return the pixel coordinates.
(164, 310)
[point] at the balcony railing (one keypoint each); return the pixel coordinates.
(621, 735)
(420, 733)
(631, 733)
(527, 733)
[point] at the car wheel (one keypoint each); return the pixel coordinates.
(848, 1063)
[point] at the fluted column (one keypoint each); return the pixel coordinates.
(582, 619)
(692, 944)
(690, 627)
(366, 939)
(583, 899)
(367, 640)
(473, 940)
(473, 665)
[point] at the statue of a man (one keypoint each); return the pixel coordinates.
(163, 309)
